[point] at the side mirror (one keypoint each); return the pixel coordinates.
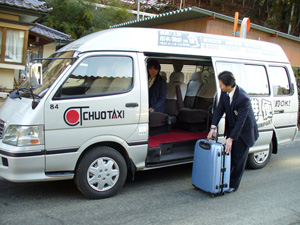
(35, 74)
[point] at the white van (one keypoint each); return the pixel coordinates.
(88, 120)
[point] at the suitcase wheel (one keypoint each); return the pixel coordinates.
(195, 187)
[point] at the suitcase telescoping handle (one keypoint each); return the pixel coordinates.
(223, 170)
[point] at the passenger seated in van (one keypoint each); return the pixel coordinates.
(157, 88)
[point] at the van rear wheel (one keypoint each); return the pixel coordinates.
(258, 160)
(101, 173)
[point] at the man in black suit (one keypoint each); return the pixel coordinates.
(240, 125)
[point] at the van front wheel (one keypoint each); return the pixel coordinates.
(101, 173)
(258, 160)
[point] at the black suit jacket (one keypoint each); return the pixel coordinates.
(157, 94)
(240, 121)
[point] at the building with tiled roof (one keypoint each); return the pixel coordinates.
(28, 11)
(23, 38)
(205, 21)
(48, 35)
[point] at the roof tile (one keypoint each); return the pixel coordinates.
(51, 33)
(28, 4)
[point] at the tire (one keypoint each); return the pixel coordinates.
(259, 160)
(101, 173)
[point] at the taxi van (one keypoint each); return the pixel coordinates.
(83, 112)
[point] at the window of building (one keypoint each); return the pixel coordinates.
(14, 46)
(13, 42)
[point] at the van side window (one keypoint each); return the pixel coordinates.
(252, 78)
(280, 81)
(256, 81)
(99, 75)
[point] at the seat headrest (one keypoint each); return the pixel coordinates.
(196, 76)
(177, 77)
(163, 75)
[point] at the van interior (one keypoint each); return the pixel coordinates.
(191, 90)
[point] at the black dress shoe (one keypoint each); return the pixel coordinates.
(231, 190)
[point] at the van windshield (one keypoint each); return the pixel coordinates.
(52, 68)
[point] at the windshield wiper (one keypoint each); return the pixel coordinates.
(17, 94)
(20, 91)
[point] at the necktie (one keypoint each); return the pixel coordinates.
(228, 99)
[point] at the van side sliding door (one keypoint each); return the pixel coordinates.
(253, 79)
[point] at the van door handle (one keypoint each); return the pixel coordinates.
(279, 111)
(131, 105)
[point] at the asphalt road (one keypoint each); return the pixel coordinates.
(267, 196)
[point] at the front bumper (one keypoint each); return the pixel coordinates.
(22, 164)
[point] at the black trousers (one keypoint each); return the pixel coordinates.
(239, 154)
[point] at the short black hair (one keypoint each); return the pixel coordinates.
(227, 78)
(154, 63)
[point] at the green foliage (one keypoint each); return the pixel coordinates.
(280, 14)
(79, 18)
(296, 70)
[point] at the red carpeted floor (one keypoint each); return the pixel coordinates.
(175, 136)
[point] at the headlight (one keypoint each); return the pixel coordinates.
(23, 135)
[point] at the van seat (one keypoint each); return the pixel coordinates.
(172, 100)
(120, 84)
(193, 88)
(100, 85)
(191, 116)
(158, 123)
(209, 89)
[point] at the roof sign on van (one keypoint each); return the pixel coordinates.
(176, 42)
(178, 39)
(212, 43)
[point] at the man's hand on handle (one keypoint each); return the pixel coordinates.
(211, 134)
(228, 145)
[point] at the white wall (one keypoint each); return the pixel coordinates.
(7, 78)
(48, 49)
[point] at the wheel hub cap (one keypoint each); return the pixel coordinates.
(261, 157)
(103, 174)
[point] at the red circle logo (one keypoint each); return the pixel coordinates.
(72, 116)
